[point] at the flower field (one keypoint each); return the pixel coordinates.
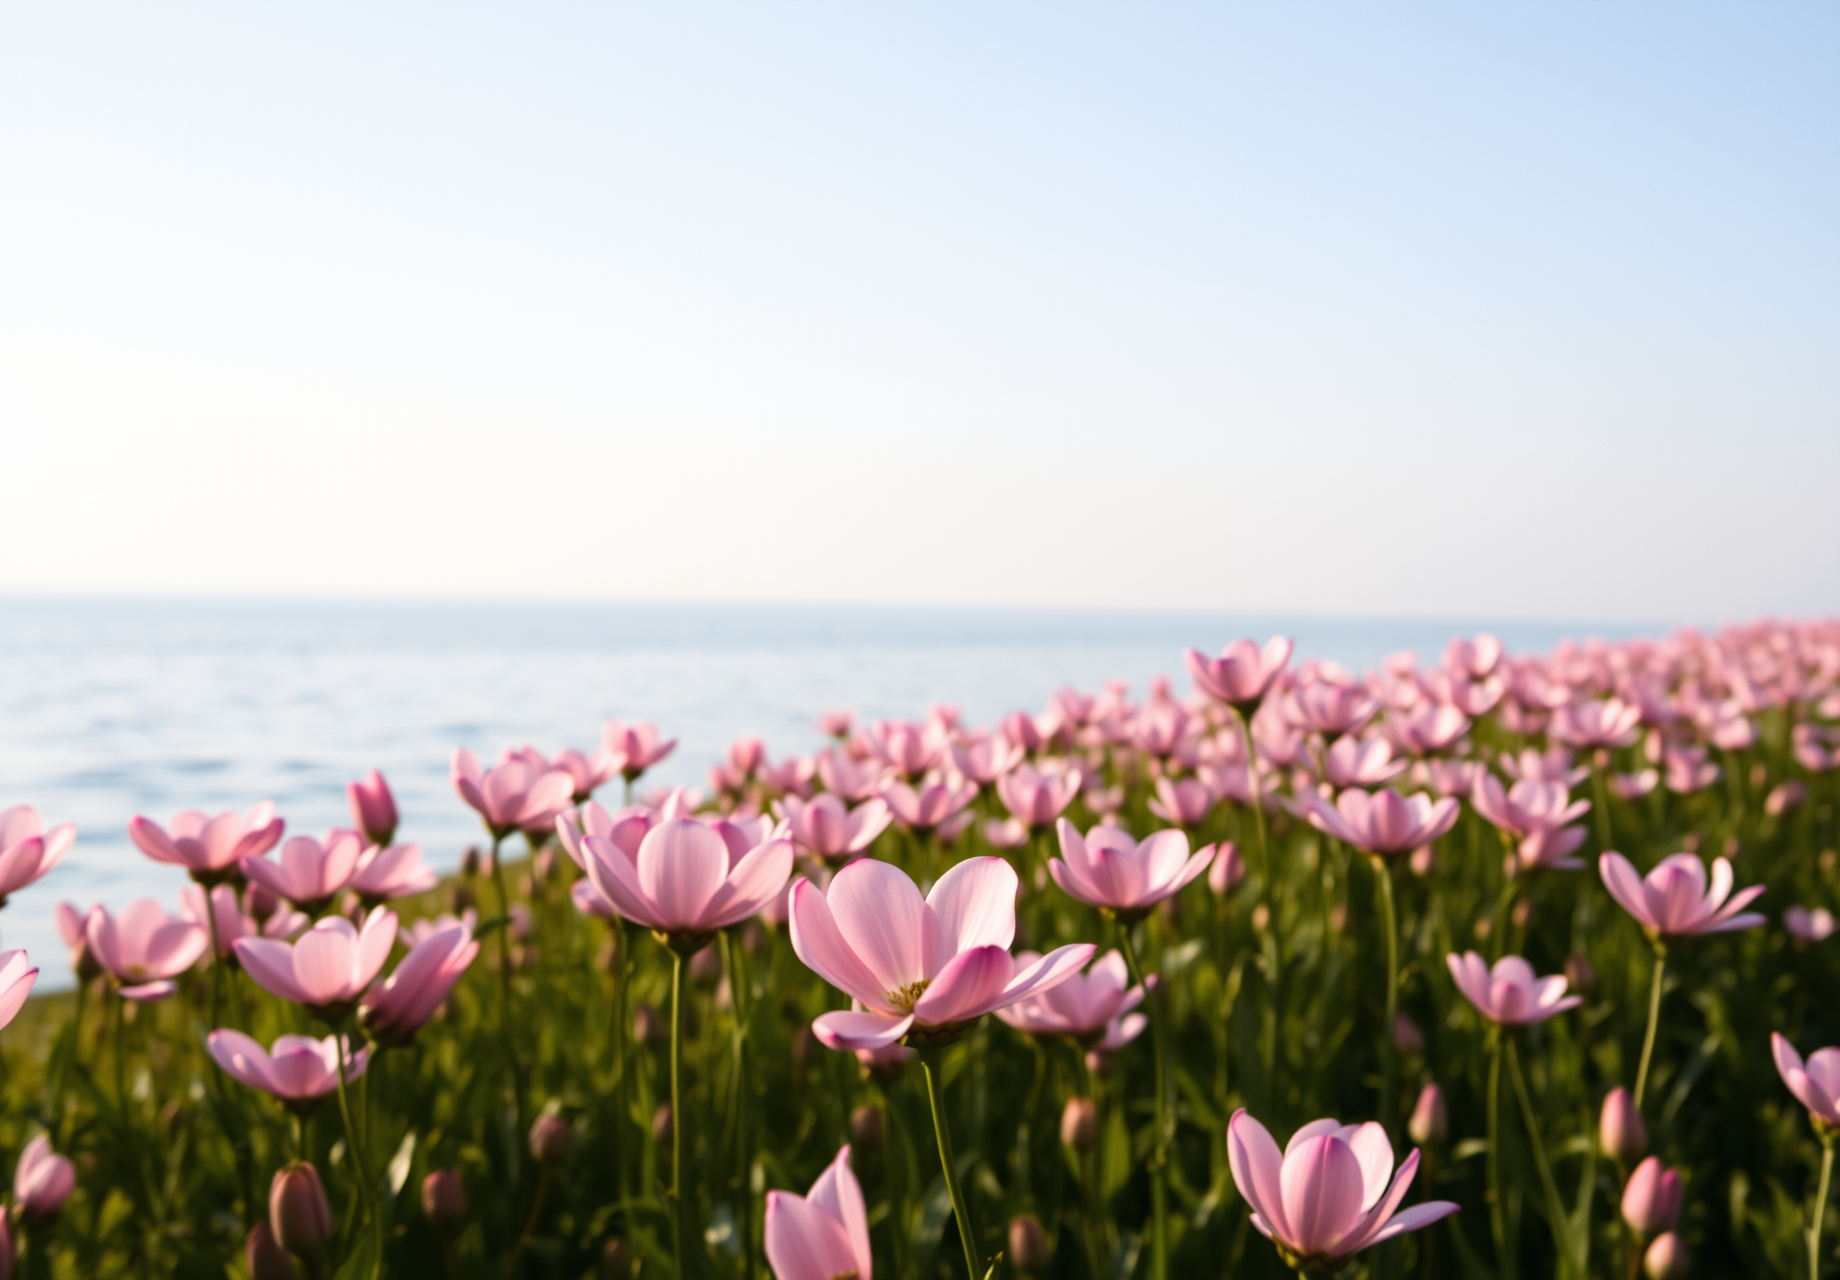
(1489, 965)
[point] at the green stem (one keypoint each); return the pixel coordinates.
(622, 1119)
(1602, 796)
(680, 1229)
(1820, 1207)
(1389, 1054)
(358, 1163)
(121, 1088)
(744, 1148)
(1159, 1158)
(1555, 1207)
(1498, 1217)
(505, 1034)
(942, 1134)
(1654, 1020)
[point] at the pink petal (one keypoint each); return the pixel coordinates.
(682, 864)
(820, 946)
(970, 985)
(882, 918)
(859, 1030)
(973, 905)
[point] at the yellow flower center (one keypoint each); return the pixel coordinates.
(904, 999)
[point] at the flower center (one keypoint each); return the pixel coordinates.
(904, 999)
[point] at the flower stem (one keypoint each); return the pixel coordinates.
(504, 981)
(1498, 1216)
(1389, 1054)
(1654, 1020)
(1820, 1207)
(943, 1135)
(680, 1228)
(1159, 1158)
(359, 1166)
(1555, 1207)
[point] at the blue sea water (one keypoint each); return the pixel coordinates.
(109, 708)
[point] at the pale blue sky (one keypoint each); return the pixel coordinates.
(1520, 311)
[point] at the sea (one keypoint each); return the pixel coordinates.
(116, 707)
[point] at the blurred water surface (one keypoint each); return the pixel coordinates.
(110, 708)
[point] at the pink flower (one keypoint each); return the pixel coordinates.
(1036, 796)
(1733, 732)
(685, 881)
(27, 850)
(1351, 762)
(1333, 709)
(1160, 726)
(1674, 901)
(417, 932)
(987, 758)
(373, 808)
(851, 779)
(1227, 869)
(823, 1235)
(836, 724)
(210, 848)
(73, 928)
(299, 1070)
(1688, 770)
(42, 1181)
(1554, 765)
(16, 977)
(588, 772)
(1538, 812)
(1633, 786)
(513, 794)
(1815, 1084)
(328, 967)
(1184, 803)
(935, 801)
(1384, 822)
(1006, 833)
(224, 916)
(1809, 926)
(1432, 726)
(393, 872)
(1475, 659)
(310, 873)
(1242, 674)
(1448, 777)
(909, 749)
(1610, 723)
(395, 1009)
(923, 969)
(634, 748)
(1785, 796)
(1110, 870)
(823, 828)
(1085, 1007)
(143, 948)
(1327, 1197)
(1509, 994)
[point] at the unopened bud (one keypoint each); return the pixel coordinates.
(866, 1125)
(616, 1262)
(1338, 918)
(648, 1027)
(263, 902)
(1080, 1124)
(461, 900)
(1028, 1246)
(1227, 869)
(1523, 913)
(469, 861)
(661, 1124)
(1261, 918)
(1621, 1134)
(1407, 1038)
(1579, 974)
(444, 1200)
(266, 1259)
(1651, 1199)
(1666, 1258)
(549, 1139)
(1423, 859)
(1430, 1122)
(297, 1210)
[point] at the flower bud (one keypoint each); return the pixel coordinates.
(1666, 1258)
(43, 1182)
(266, 1259)
(549, 1139)
(1407, 1038)
(263, 902)
(444, 1200)
(661, 1124)
(373, 808)
(297, 1210)
(1430, 1122)
(1579, 974)
(1423, 859)
(461, 900)
(866, 1125)
(1227, 869)
(1080, 1124)
(616, 1262)
(648, 1027)
(469, 861)
(1621, 1134)
(1028, 1246)
(1651, 1200)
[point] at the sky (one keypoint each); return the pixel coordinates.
(1522, 311)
